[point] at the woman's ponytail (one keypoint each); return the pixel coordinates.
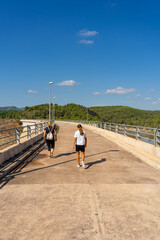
(79, 126)
(81, 131)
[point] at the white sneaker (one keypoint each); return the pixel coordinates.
(83, 165)
(78, 165)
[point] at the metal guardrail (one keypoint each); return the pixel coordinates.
(145, 134)
(14, 135)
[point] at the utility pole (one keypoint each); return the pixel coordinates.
(50, 83)
(54, 109)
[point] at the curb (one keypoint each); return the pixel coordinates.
(13, 163)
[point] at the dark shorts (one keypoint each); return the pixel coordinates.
(50, 144)
(80, 148)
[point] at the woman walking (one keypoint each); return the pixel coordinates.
(80, 142)
(49, 136)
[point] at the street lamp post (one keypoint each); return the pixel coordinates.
(54, 108)
(50, 83)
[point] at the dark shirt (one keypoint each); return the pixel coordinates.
(50, 129)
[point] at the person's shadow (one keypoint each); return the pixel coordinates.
(64, 154)
(88, 165)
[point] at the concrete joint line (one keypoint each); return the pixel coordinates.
(97, 215)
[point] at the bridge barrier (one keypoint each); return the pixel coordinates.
(15, 140)
(146, 151)
(137, 139)
(145, 134)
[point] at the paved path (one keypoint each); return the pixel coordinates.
(116, 197)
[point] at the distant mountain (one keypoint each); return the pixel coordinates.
(10, 108)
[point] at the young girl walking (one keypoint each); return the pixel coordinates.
(80, 143)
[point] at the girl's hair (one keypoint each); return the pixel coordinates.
(49, 124)
(79, 126)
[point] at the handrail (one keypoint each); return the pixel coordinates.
(14, 135)
(146, 134)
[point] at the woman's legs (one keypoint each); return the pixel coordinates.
(52, 148)
(49, 147)
(78, 157)
(83, 157)
(52, 151)
(82, 150)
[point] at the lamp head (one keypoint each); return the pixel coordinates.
(50, 83)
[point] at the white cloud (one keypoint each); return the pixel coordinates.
(86, 41)
(154, 103)
(32, 91)
(96, 93)
(158, 99)
(138, 95)
(69, 83)
(147, 98)
(86, 33)
(119, 90)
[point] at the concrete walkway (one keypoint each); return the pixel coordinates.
(117, 196)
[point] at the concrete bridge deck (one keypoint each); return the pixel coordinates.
(116, 197)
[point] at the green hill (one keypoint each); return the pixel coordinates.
(128, 115)
(113, 114)
(69, 111)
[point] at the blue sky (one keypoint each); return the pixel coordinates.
(97, 53)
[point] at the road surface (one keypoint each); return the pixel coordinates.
(117, 196)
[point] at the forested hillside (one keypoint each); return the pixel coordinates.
(114, 114)
(69, 111)
(128, 115)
